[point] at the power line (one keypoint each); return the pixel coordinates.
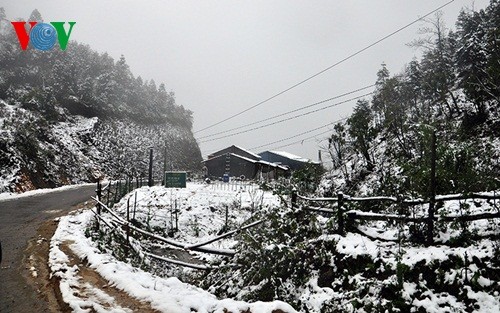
(298, 135)
(328, 68)
(286, 113)
(295, 136)
(286, 119)
(303, 140)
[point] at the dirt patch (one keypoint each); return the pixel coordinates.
(36, 269)
(97, 288)
(37, 273)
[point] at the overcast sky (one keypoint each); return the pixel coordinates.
(221, 57)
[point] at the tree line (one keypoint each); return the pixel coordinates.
(452, 91)
(82, 81)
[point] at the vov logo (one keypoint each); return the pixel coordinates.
(43, 36)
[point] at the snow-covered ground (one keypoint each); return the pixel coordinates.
(201, 215)
(201, 209)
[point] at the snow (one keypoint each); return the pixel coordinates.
(293, 156)
(9, 196)
(433, 303)
(487, 303)
(78, 149)
(249, 152)
(355, 245)
(201, 207)
(414, 255)
(201, 218)
(166, 294)
(244, 158)
(387, 243)
(315, 296)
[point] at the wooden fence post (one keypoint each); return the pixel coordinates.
(128, 219)
(135, 205)
(432, 201)
(107, 196)
(466, 267)
(99, 196)
(227, 217)
(294, 198)
(150, 173)
(340, 213)
(176, 217)
(163, 182)
(117, 186)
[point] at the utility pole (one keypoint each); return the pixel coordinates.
(163, 182)
(432, 201)
(150, 178)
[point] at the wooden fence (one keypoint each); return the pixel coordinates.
(120, 224)
(402, 216)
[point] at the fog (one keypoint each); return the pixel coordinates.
(222, 57)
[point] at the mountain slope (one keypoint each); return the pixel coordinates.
(75, 115)
(452, 94)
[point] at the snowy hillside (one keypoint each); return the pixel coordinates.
(75, 115)
(37, 154)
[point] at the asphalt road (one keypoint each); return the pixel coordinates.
(19, 220)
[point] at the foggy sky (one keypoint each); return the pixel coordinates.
(220, 57)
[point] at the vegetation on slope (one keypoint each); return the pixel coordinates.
(74, 115)
(385, 146)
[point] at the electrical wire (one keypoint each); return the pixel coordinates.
(295, 136)
(302, 140)
(289, 112)
(288, 118)
(328, 68)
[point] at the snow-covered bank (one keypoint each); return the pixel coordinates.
(8, 195)
(165, 294)
(378, 265)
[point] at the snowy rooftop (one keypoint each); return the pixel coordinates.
(217, 153)
(273, 165)
(244, 158)
(293, 156)
(232, 154)
(249, 152)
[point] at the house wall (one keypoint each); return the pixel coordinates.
(216, 167)
(242, 167)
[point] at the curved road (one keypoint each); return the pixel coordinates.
(19, 220)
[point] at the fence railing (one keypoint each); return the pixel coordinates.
(342, 214)
(124, 223)
(234, 185)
